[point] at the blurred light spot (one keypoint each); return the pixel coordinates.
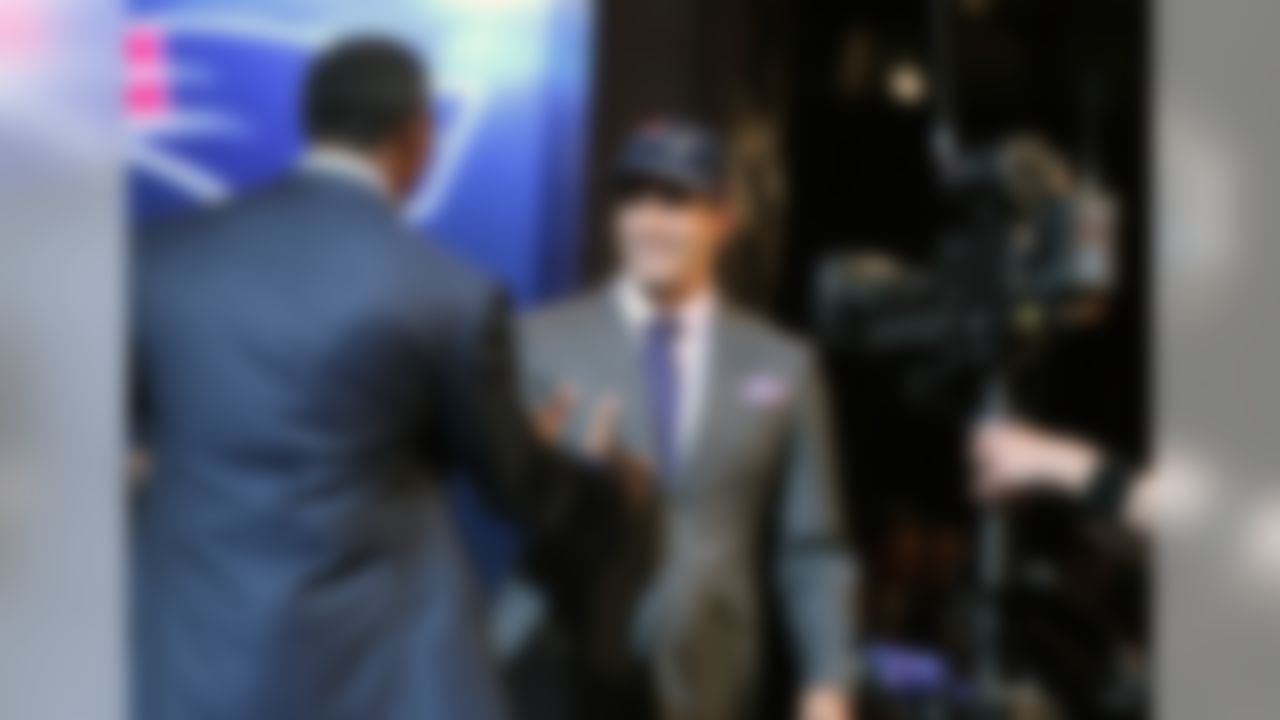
(1181, 494)
(27, 48)
(509, 53)
(1261, 551)
(1200, 232)
(24, 32)
(493, 5)
(907, 83)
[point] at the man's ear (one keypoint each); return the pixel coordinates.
(425, 132)
(412, 153)
(731, 218)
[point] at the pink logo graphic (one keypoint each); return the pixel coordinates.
(147, 97)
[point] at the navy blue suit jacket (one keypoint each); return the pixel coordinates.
(308, 370)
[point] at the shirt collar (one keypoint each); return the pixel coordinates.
(346, 165)
(638, 311)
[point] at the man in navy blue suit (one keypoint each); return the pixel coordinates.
(307, 372)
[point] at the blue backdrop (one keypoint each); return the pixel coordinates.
(213, 87)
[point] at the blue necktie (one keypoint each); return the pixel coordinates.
(663, 385)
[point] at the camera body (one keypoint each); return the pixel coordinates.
(1030, 256)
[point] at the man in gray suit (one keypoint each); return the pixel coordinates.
(730, 412)
(309, 370)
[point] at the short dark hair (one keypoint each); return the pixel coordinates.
(363, 90)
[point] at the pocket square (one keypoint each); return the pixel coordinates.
(764, 390)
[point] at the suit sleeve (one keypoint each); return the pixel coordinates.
(583, 567)
(813, 564)
(493, 441)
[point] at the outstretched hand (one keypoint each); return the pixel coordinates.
(601, 443)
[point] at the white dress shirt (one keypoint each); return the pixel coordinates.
(349, 165)
(693, 349)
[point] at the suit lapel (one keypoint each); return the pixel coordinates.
(621, 372)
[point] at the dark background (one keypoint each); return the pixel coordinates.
(831, 162)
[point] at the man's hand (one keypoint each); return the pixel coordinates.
(552, 419)
(601, 445)
(825, 704)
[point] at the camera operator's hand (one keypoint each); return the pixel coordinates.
(822, 703)
(1011, 458)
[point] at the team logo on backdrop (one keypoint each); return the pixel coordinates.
(211, 103)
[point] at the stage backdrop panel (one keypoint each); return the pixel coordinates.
(212, 94)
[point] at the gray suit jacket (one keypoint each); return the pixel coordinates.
(758, 484)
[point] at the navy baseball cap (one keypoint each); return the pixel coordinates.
(679, 153)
